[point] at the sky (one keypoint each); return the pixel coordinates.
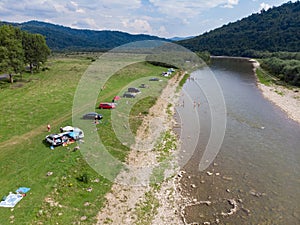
(163, 18)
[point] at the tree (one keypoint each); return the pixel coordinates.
(11, 51)
(36, 50)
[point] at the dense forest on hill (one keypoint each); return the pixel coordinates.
(273, 36)
(276, 29)
(61, 38)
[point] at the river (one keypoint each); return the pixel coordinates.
(255, 177)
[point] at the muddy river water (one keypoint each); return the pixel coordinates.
(255, 177)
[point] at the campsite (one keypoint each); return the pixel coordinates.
(63, 187)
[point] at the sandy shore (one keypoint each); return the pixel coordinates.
(287, 99)
(126, 202)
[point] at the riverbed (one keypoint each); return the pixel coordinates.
(255, 177)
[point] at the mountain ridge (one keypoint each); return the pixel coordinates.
(276, 29)
(62, 38)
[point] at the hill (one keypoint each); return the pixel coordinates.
(276, 29)
(61, 38)
(180, 38)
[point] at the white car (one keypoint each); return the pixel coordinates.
(54, 139)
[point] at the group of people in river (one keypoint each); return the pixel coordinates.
(195, 104)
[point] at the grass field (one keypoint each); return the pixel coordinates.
(74, 192)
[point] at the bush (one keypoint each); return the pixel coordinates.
(83, 178)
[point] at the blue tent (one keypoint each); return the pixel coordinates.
(72, 135)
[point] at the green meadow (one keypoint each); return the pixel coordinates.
(74, 192)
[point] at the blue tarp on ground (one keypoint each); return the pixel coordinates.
(22, 190)
(11, 200)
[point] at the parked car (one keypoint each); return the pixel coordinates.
(154, 79)
(92, 116)
(166, 74)
(133, 90)
(107, 105)
(54, 139)
(143, 86)
(129, 95)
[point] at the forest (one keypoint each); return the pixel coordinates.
(273, 36)
(284, 65)
(61, 38)
(274, 30)
(20, 50)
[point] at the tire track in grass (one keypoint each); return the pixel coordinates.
(17, 139)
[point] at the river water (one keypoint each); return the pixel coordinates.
(255, 178)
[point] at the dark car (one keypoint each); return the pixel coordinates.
(107, 105)
(129, 95)
(92, 116)
(134, 90)
(154, 79)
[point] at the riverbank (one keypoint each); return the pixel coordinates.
(287, 99)
(148, 202)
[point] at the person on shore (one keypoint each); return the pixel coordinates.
(96, 120)
(48, 127)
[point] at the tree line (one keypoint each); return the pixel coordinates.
(283, 65)
(19, 49)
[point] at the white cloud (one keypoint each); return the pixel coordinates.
(161, 32)
(86, 22)
(189, 8)
(115, 4)
(74, 7)
(264, 6)
(138, 26)
(231, 3)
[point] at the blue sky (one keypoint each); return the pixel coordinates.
(164, 18)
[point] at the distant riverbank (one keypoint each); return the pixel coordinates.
(288, 99)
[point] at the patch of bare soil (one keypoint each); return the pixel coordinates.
(126, 196)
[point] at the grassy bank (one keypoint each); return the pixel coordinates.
(263, 77)
(74, 192)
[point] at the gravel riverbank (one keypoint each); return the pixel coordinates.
(287, 99)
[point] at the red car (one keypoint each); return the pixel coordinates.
(107, 105)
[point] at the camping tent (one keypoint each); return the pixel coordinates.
(117, 98)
